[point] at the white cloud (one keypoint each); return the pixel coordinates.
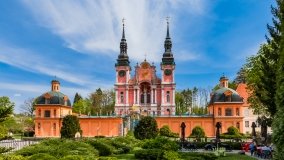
(17, 95)
(34, 62)
(93, 27)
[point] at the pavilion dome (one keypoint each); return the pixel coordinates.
(54, 96)
(225, 94)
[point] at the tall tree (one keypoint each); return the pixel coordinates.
(146, 128)
(77, 97)
(6, 108)
(278, 128)
(28, 107)
(241, 76)
(70, 126)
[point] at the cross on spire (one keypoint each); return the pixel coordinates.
(123, 20)
(145, 56)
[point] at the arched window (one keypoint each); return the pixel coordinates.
(168, 97)
(121, 97)
(38, 126)
(47, 113)
(228, 112)
(219, 112)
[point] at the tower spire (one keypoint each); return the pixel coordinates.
(123, 34)
(168, 55)
(123, 57)
(168, 32)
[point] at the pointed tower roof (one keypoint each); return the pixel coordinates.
(123, 59)
(168, 58)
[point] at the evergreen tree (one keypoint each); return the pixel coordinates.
(241, 76)
(6, 108)
(146, 128)
(70, 126)
(77, 98)
(278, 127)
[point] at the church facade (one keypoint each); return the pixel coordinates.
(144, 92)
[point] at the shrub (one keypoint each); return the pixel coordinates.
(13, 157)
(161, 143)
(70, 126)
(42, 156)
(197, 132)
(146, 128)
(3, 131)
(104, 149)
(59, 148)
(148, 154)
(170, 155)
(233, 131)
(5, 149)
(73, 157)
(165, 131)
(29, 133)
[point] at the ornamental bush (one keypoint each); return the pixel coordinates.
(146, 128)
(162, 143)
(233, 131)
(149, 154)
(103, 148)
(59, 148)
(70, 126)
(170, 155)
(42, 156)
(197, 132)
(165, 131)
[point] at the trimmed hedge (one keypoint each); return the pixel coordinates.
(104, 149)
(42, 156)
(149, 154)
(161, 143)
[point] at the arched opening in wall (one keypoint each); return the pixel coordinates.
(145, 93)
(168, 97)
(168, 111)
(121, 97)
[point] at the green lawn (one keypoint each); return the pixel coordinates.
(228, 157)
(236, 157)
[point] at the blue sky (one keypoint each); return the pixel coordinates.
(78, 41)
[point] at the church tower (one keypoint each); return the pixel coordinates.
(168, 81)
(122, 78)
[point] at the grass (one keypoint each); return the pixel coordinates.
(236, 157)
(228, 157)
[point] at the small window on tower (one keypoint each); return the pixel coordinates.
(54, 113)
(168, 97)
(237, 112)
(121, 97)
(47, 100)
(228, 112)
(47, 113)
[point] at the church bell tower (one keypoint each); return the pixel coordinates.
(123, 69)
(168, 81)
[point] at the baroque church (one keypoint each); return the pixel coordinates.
(145, 94)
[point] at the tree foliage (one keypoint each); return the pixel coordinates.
(77, 97)
(102, 102)
(146, 128)
(6, 108)
(28, 107)
(278, 121)
(70, 126)
(197, 132)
